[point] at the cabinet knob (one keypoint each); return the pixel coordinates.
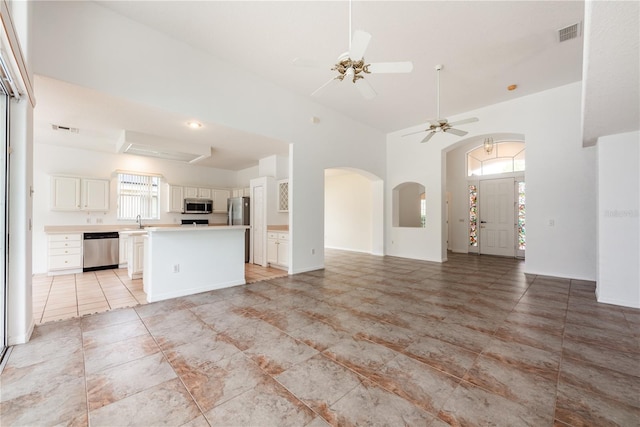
(66, 262)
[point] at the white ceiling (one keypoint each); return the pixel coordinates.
(484, 46)
(101, 118)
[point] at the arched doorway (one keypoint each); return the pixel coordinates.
(353, 211)
(486, 184)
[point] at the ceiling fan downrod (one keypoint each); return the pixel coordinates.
(438, 68)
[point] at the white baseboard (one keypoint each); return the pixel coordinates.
(23, 338)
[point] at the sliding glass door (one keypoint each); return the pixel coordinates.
(4, 208)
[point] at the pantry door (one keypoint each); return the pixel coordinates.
(497, 216)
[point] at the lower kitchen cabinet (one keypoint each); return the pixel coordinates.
(278, 249)
(64, 253)
(135, 264)
(123, 250)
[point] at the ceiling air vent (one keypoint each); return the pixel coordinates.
(570, 32)
(65, 128)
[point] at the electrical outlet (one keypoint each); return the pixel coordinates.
(176, 268)
(88, 220)
(98, 220)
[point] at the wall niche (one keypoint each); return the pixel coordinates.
(409, 205)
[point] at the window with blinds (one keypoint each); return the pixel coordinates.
(138, 195)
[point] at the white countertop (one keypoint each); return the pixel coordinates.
(189, 228)
(128, 229)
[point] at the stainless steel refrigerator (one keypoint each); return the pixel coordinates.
(238, 214)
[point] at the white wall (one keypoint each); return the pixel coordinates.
(132, 63)
(51, 160)
(245, 175)
(560, 179)
(619, 219)
(348, 209)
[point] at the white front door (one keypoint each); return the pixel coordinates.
(497, 228)
(258, 226)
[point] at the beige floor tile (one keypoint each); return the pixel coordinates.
(95, 291)
(56, 317)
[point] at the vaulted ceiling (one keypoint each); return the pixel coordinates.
(484, 46)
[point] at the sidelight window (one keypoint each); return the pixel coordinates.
(473, 215)
(521, 216)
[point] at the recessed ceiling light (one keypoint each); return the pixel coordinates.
(194, 125)
(512, 87)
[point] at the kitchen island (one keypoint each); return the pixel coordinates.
(181, 261)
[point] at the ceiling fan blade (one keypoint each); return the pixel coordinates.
(414, 133)
(359, 44)
(464, 121)
(429, 136)
(391, 67)
(308, 63)
(365, 89)
(323, 87)
(456, 131)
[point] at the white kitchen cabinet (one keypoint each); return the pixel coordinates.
(123, 250)
(135, 264)
(95, 194)
(175, 199)
(283, 195)
(241, 192)
(64, 253)
(65, 193)
(69, 193)
(278, 249)
(197, 193)
(220, 200)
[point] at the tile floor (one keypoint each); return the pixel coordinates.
(73, 295)
(366, 341)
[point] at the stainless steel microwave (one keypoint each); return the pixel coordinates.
(198, 206)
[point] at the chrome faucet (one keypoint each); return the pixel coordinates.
(139, 221)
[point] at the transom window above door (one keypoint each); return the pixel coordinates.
(496, 158)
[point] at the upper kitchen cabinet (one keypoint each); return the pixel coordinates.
(175, 198)
(197, 193)
(73, 194)
(220, 200)
(241, 192)
(95, 194)
(65, 193)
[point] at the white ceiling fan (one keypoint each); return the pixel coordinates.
(442, 125)
(352, 66)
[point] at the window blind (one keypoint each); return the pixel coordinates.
(138, 195)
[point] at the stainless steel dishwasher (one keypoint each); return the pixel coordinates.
(100, 251)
